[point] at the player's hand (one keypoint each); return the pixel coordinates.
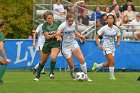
(82, 38)
(8, 60)
(59, 38)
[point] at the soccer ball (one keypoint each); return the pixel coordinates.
(80, 76)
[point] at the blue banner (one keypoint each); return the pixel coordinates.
(23, 55)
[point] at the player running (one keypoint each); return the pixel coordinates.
(3, 60)
(51, 46)
(40, 42)
(70, 46)
(109, 32)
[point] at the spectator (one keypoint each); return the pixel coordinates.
(98, 14)
(31, 36)
(59, 8)
(116, 12)
(136, 23)
(82, 5)
(72, 10)
(107, 10)
(129, 3)
(68, 7)
(84, 19)
(114, 3)
(126, 29)
(103, 20)
(130, 13)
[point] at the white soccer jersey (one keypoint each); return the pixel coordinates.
(68, 39)
(41, 37)
(68, 32)
(109, 35)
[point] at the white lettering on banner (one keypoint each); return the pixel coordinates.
(18, 60)
(32, 55)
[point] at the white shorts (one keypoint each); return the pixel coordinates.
(108, 52)
(67, 50)
(39, 47)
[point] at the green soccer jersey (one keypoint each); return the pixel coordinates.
(51, 30)
(1, 36)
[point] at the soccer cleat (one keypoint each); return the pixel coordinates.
(94, 66)
(88, 79)
(43, 72)
(138, 78)
(1, 82)
(51, 75)
(34, 70)
(73, 76)
(36, 79)
(112, 78)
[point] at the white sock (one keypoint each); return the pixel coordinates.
(100, 65)
(36, 66)
(84, 67)
(43, 70)
(111, 70)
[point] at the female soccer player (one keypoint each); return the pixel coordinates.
(5, 60)
(70, 45)
(51, 46)
(40, 43)
(109, 32)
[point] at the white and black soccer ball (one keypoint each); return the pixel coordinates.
(80, 76)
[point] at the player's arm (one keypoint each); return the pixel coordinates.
(34, 38)
(118, 37)
(48, 36)
(79, 36)
(98, 42)
(59, 35)
(118, 40)
(3, 51)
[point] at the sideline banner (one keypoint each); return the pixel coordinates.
(23, 55)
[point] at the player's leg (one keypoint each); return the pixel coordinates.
(110, 59)
(68, 56)
(3, 68)
(78, 53)
(99, 66)
(39, 49)
(71, 66)
(41, 53)
(53, 55)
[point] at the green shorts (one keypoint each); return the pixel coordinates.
(47, 47)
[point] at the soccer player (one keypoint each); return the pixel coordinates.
(3, 60)
(70, 46)
(109, 32)
(40, 42)
(51, 46)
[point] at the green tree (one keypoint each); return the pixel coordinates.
(17, 15)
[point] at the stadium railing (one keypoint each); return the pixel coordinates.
(128, 31)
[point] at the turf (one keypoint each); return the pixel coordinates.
(22, 82)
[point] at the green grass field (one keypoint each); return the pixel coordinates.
(22, 82)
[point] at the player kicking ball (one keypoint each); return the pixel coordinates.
(70, 46)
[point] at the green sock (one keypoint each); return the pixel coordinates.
(39, 69)
(2, 70)
(52, 66)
